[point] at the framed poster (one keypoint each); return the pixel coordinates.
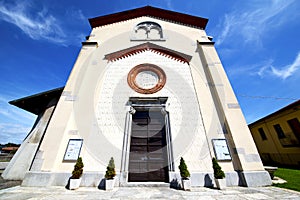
(221, 149)
(73, 149)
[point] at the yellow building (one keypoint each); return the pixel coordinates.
(277, 136)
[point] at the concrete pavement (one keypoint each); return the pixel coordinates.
(87, 193)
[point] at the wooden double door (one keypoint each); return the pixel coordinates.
(148, 152)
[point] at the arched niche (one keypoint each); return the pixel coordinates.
(148, 31)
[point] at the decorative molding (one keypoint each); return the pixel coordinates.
(181, 57)
(148, 26)
(134, 73)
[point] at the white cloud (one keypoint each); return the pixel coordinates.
(288, 70)
(14, 123)
(228, 24)
(38, 25)
(266, 69)
(250, 69)
(250, 23)
(15, 133)
(282, 72)
(75, 14)
(266, 65)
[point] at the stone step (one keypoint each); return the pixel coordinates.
(145, 184)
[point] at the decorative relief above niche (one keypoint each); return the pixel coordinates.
(147, 31)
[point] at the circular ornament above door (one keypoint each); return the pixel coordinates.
(146, 78)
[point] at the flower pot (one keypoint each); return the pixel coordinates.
(220, 183)
(186, 184)
(74, 183)
(109, 184)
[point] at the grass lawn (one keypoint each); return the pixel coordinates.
(292, 176)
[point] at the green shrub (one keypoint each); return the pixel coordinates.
(110, 172)
(184, 172)
(78, 169)
(218, 172)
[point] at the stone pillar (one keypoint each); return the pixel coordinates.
(126, 146)
(168, 139)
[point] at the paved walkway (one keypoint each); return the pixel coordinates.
(88, 193)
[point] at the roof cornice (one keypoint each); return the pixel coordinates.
(175, 17)
(37, 103)
(293, 106)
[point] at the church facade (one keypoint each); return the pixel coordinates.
(147, 88)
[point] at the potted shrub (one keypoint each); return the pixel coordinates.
(219, 175)
(110, 174)
(76, 174)
(185, 175)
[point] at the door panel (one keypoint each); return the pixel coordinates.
(147, 158)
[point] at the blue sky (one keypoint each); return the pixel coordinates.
(258, 43)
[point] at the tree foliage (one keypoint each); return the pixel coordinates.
(184, 172)
(10, 145)
(78, 169)
(110, 172)
(218, 172)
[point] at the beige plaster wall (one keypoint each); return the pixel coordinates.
(246, 157)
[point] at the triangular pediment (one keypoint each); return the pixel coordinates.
(150, 11)
(146, 47)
